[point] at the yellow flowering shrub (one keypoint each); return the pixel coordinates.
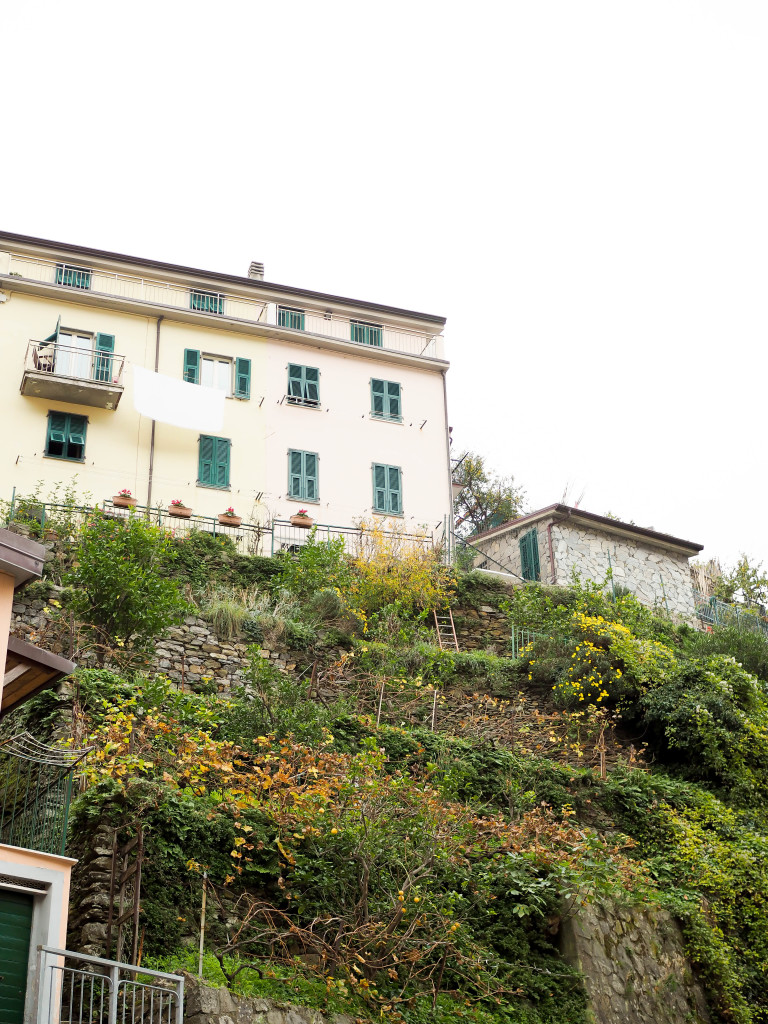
(609, 662)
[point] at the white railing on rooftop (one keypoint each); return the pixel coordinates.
(197, 298)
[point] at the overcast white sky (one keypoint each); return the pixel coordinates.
(581, 187)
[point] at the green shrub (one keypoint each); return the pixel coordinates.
(749, 648)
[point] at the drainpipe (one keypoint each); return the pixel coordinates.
(152, 434)
(449, 537)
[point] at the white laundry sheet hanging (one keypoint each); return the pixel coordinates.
(173, 401)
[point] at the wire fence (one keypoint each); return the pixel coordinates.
(712, 612)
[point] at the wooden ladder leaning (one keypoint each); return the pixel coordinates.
(446, 631)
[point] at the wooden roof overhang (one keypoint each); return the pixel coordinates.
(28, 670)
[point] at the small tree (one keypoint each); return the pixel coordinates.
(744, 581)
(120, 584)
(487, 498)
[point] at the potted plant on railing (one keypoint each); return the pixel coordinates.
(302, 519)
(179, 509)
(230, 518)
(123, 499)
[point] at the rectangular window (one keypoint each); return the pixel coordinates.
(529, 555)
(387, 489)
(302, 476)
(73, 277)
(213, 461)
(303, 385)
(289, 317)
(206, 302)
(66, 436)
(366, 334)
(216, 373)
(385, 400)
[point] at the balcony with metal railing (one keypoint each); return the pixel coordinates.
(310, 318)
(77, 373)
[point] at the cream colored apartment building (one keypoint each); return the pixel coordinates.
(331, 404)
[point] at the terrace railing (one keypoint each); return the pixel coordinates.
(35, 793)
(196, 298)
(77, 989)
(711, 611)
(357, 540)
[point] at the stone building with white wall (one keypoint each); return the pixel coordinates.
(553, 543)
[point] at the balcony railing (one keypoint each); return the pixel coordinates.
(77, 989)
(71, 373)
(196, 298)
(35, 792)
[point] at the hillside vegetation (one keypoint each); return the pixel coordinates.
(358, 859)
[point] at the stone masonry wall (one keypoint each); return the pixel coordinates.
(634, 966)
(637, 565)
(656, 577)
(482, 629)
(206, 1005)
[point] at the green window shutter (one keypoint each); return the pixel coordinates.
(295, 381)
(529, 555)
(77, 425)
(242, 378)
(311, 384)
(379, 488)
(395, 503)
(310, 476)
(295, 474)
(377, 397)
(55, 336)
(191, 366)
(393, 400)
(105, 347)
(57, 428)
(291, 318)
(205, 463)
(221, 456)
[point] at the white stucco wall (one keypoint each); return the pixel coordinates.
(342, 432)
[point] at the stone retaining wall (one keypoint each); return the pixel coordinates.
(482, 629)
(634, 966)
(206, 1005)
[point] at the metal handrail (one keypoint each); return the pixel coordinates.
(92, 991)
(317, 320)
(290, 538)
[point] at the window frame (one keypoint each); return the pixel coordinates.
(220, 360)
(387, 399)
(304, 384)
(67, 430)
(287, 320)
(214, 461)
(303, 476)
(387, 489)
(530, 562)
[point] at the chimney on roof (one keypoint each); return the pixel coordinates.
(256, 271)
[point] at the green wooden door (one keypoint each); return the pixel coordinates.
(15, 931)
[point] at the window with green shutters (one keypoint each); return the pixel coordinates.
(206, 302)
(303, 385)
(366, 334)
(213, 461)
(287, 316)
(73, 277)
(529, 555)
(385, 400)
(66, 436)
(302, 475)
(387, 489)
